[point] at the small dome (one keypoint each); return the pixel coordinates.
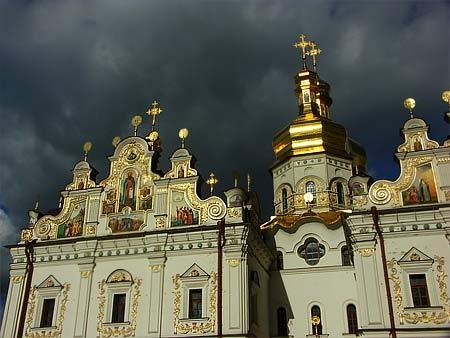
(82, 165)
(414, 123)
(182, 152)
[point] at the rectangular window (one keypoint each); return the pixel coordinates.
(195, 303)
(419, 290)
(47, 312)
(118, 310)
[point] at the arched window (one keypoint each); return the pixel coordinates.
(280, 263)
(311, 251)
(346, 256)
(340, 193)
(282, 322)
(311, 187)
(316, 325)
(352, 320)
(284, 199)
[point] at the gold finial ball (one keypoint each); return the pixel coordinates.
(153, 136)
(136, 121)
(315, 320)
(183, 133)
(409, 103)
(115, 141)
(87, 146)
(446, 96)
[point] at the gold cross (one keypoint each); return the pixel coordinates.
(314, 51)
(302, 43)
(153, 112)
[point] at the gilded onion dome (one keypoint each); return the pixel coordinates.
(313, 131)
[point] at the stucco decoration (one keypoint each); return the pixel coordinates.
(47, 226)
(194, 327)
(213, 207)
(384, 191)
(130, 180)
(121, 329)
(56, 331)
(412, 316)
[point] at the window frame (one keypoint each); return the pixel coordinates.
(312, 190)
(46, 291)
(355, 324)
(54, 310)
(316, 329)
(191, 303)
(425, 286)
(304, 247)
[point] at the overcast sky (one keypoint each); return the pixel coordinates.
(78, 70)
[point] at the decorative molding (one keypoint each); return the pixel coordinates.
(234, 262)
(366, 252)
(85, 274)
(156, 267)
(235, 212)
(17, 279)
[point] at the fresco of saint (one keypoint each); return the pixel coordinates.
(128, 195)
(181, 212)
(423, 188)
(125, 223)
(73, 226)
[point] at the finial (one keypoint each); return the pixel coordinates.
(87, 146)
(36, 204)
(152, 137)
(212, 181)
(136, 122)
(248, 182)
(183, 134)
(446, 96)
(410, 103)
(314, 52)
(154, 111)
(115, 141)
(302, 44)
(235, 178)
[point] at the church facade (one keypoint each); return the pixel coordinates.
(142, 254)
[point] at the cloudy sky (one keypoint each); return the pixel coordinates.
(72, 71)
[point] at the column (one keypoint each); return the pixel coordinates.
(13, 303)
(84, 292)
(155, 289)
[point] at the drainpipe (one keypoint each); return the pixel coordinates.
(375, 218)
(29, 253)
(220, 244)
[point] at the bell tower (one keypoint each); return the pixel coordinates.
(313, 153)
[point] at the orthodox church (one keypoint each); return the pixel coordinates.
(142, 254)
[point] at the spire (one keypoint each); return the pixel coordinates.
(312, 92)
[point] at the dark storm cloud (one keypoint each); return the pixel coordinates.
(77, 70)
